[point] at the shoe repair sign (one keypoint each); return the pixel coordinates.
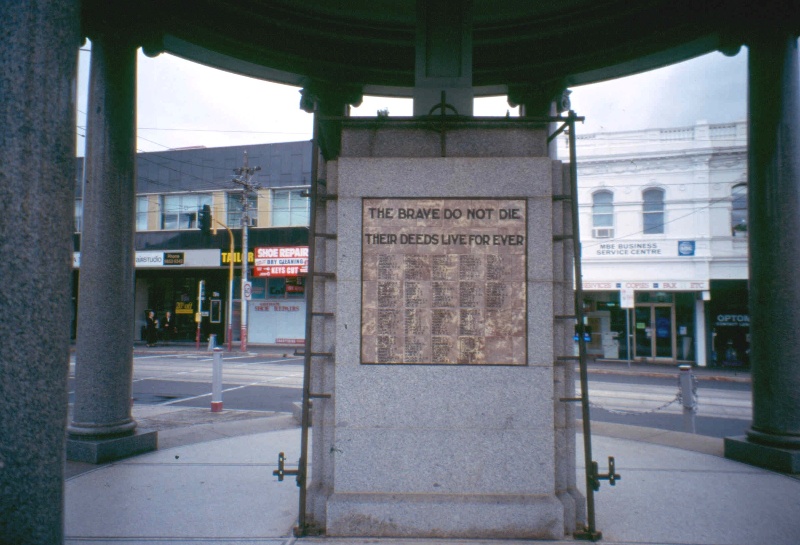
(273, 262)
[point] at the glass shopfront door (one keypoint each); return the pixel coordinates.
(655, 331)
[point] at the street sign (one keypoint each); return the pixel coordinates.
(626, 298)
(248, 291)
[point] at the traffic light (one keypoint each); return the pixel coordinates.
(204, 220)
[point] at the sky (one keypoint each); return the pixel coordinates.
(184, 104)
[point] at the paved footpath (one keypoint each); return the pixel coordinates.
(211, 482)
(675, 490)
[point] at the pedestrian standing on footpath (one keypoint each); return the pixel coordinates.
(168, 327)
(151, 329)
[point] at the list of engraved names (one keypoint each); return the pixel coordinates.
(443, 281)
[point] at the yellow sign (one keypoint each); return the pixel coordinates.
(184, 308)
(225, 258)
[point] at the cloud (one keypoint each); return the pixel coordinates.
(182, 104)
(195, 105)
(712, 87)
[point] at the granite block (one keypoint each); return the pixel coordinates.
(560, 407)
(558, 300)
(451, 177)
(457, 461)
(330, 174)
(444, 397)
(496, 143)
(348, 262)
(540, 323)
(558, 262)
(540, 240)
(98, 451)
(385, 142)
(504, 516)
(317, 495)
(332, 217)
(348, 323)
(386, 139)
(569, 504)
(322, 461)
(476, 442)
(775, 458)
(562, 451)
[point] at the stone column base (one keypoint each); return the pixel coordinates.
(98, 451)
(502, 516)
(775, 458)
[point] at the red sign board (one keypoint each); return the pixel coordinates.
(272, 262)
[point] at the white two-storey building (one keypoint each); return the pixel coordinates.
(663, 219)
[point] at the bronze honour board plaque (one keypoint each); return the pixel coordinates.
(443, 281)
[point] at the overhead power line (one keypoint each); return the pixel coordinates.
(221, 130)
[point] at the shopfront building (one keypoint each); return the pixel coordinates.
(663, 220)
(190, 219)
(194, 287)
(661, 322)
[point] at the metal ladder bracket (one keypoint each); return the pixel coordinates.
(282, 471)
(612, 476)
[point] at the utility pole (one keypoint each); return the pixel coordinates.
(244, 178)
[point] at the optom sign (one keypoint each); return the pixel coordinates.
(271, 262)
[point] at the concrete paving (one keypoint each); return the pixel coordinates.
(211, 482)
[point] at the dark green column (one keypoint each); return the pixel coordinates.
(774, 244)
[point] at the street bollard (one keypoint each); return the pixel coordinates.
(216, 381)
(212, 342)
(687, 397)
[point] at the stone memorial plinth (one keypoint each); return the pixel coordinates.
(445, 419)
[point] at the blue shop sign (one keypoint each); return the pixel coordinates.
(686, 247)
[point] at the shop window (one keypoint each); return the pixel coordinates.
(180, 211)
(290, 207)
(235, 210)
(653, 212)
(739, 210)
(276, 287)
(603, 214)
(258, 288)
(654, 297)
(291, 287)
(141, 213)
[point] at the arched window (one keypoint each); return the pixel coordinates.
(653, 212)
(603, 214)
(739, 210)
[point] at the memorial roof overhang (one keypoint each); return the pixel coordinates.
(370, 44)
